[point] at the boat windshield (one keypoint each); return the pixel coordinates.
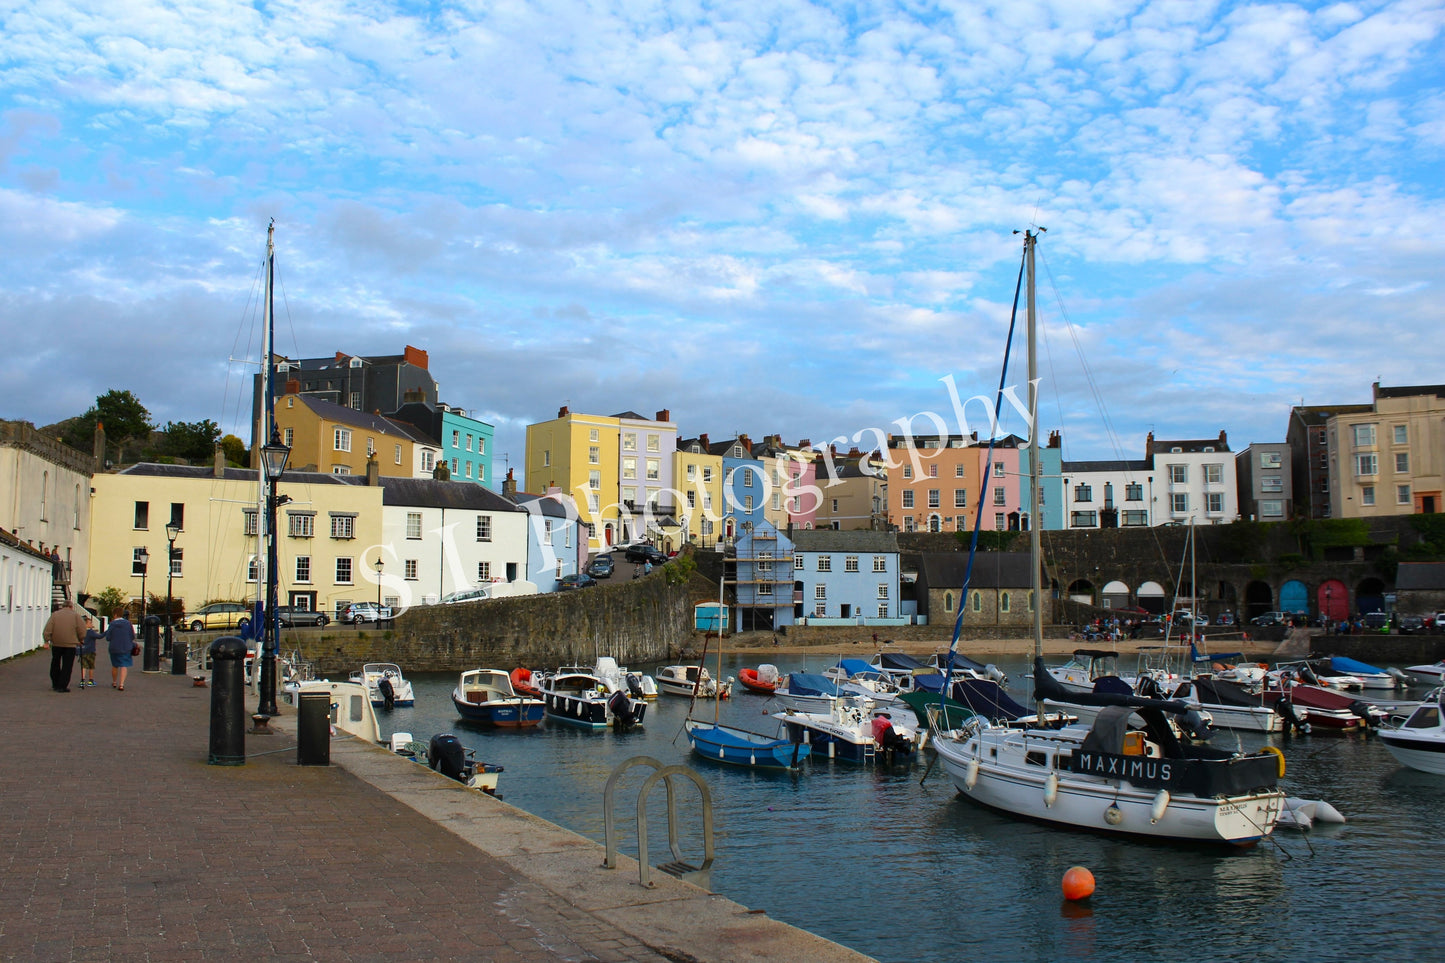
(1425, 717)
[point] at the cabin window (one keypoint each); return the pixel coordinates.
(1035, 757)
(1426, 717)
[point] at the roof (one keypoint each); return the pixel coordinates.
(990, 569)
(630, 415)
(152, 470)
(1078, 466)
(828, 540)
(360, 419)
(1416, 576)
(549, 505)
(1410, 391)
(430, 493)
(1319, 414)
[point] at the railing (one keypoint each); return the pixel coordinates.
(697, 875)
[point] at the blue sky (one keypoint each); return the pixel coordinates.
(769, 217)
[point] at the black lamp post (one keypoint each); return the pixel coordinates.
(144, 557)
(1329, 608)
(273, 460)
(377, 565)
(172, 530)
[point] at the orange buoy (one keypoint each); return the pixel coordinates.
(1078, 884)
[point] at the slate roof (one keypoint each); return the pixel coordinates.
(1319, 414)
(993, 570)
(1076, 466)
(1410, 391)
(430, 493)
(547, 505)
(360, 419)
(827, 540)
(152, 470)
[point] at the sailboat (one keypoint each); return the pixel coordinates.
(1112, 776)
(733, 746)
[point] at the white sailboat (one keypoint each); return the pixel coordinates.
(1109, 776)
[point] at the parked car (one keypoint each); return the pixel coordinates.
(578, 581)
(291, 616)
(466, 595)
(219, 615)
(600, 567)
(359, 612)
(1226, 618)
(1411, 625)
(644, 553)
(1377, 620)
(1271, 618)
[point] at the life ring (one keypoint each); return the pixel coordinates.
(1275, 751)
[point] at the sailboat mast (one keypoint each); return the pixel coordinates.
(268, 411)
(1035, 535)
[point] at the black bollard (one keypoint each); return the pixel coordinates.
(178, 658)
(228, 702)
(152, 649)
(313, 729)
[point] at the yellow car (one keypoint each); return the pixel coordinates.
(219, 615)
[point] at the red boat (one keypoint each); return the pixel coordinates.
(522, 683)
(763, 679)
(1325, 709)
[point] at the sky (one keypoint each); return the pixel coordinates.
(767, 217)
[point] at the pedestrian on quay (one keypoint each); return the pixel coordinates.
(63, 633)
(120, 643)
(87, 654)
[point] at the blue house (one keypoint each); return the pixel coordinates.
(466, 443)
(1051, 483)
(745, 485)
(764, 589)
(846, 577)
(556, 538)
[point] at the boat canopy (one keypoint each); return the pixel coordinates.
(1350, 666)
(810, 683)
(987, 698)
(898, 661)
(855, 666)
(1222, 692)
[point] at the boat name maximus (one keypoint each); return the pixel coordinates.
(1139, 770)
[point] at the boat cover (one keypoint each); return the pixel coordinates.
(1112, 684)
(987, 698)
(898, 661)
(1047, 687)
(854, 666)
(1222, 692)
(810, 683)
(1350, 666)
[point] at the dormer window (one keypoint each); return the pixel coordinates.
(1176, 449)
(356, 362)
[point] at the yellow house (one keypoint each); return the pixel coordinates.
(330, 438)
(581, 455)
(329, 527)
(698, 475)
(1390, 458)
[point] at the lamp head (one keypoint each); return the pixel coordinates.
(273, 458)
(143, 557)
(172, 530)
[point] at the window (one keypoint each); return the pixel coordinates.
(1402, 463)
(481, 445)
(820, 610)
(469, 470)
(960, 498)
(883, 610)
(1270, 459)
(882, 590)
(998, 497)
(907, 471)
(413, 524)
(932, 471)
(1402, 494)
(908, 524)
(1402, 435)
(629, 468)
(747, 478)
(340, 470)
(253, 569)
(300, 524)
(356, 400)
(777, 501)
(484, 528)
(654, 442)
(592, 434)
(825, 563)
(653, 469)
(1136, 518)
(1214, 503)
(1179, 474)
(1133, 492)
(1213, 474)
(1003, 602)
(933, 498)
(765, 588)
(1271, 483)
(177, 556)
(249, 524)
(428, 459)
(1365, 465)
(594, 455)
(1364, 436)
(343, 526)
(1273, 508)
(998, 469)
(1367, 494)
(341, 439)
(137, 567)
(1000, 523)
(907, 498)
(629, 441)
(880, 563)
(454, 466)
(820, 591)
(1083, 493)
(303, 568)
(691, 472)
(343, 571)
(410, 569)
(142, 516)
(835, 506)
(484, 571)
(370, 447)
(398, 454)
(977, 602)
(692, 499)
(288, 437)
(948, 601)
(957, 471)
(1084, 520)
(850, 563)
(1179, 503)
(798, 562)
(547, 531)
(594, 480)
(547, 458)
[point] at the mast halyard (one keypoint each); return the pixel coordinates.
(1035, 533)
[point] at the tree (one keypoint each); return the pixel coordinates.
(124, 417)
(235, 450)
(193, 441)
(107, 600)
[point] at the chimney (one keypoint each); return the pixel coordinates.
(219, 463)
(746, 442)
(414, 356)
(441, 472)
(1223, 440)
(702, 440)
(373, 471)
(509, 486)
(99, 448)
(664, 415)
(806, 443)
(293, 386)
(562, 412)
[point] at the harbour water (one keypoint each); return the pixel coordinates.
(870, 858)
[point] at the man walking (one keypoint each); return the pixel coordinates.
(63, 634)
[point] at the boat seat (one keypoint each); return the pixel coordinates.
(476, 697)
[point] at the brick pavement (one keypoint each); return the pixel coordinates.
(119, 842)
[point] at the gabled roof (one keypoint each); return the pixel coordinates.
(632, 415)
(828, 540)
(360, 419)
(1420, 576)
(991, 570)
(430, 493)
(548, 505)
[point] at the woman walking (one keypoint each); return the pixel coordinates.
(120, 639)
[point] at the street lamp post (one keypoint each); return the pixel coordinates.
(172, 530)
(1329, 606)
(378, 588)
(144, 557)
(273, 459)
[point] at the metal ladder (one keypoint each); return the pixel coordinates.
(697, 875)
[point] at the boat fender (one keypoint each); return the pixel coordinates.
(1277, 753)
(970, 776)
(1051, 790)
(388, 693)
(1161, 803)
(1113, 815)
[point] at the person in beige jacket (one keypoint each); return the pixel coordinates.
(63, 633)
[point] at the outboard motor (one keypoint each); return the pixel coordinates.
(1292, 717)
(996, 674)
(446, 755)
(388, 693)
(1308, 675)
(634, 684)
(1366, 712)
(1194, 724)
(619, 706)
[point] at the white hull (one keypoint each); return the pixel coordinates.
(1428, 674)
(1425, 760)
(1242, 718)
(1084, 801)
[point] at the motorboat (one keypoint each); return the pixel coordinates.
(1288, 673)
(1419, 741)
(1085, 667)
(351, 709)
(387, 686)
(762, 680)
(523, 684)
(692, 682)
(1323, 709)
(739, 747)
(813, 692)
(1230, 705)
(584, 700)
(1428, 674)
(1370, 677)
(639, 685)
(444, 753)
(964, 667)
(487, 696)
(846, 732)
(861, 679)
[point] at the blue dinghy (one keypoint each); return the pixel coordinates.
(738, 747)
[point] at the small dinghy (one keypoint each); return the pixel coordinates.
(763, 679)
(1302, 814)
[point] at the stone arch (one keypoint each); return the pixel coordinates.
(1370, 595)
(1258, 599)
(1082, 590)
(1151, 597)
(1116, 595)
(1294, 596)
(935, 522)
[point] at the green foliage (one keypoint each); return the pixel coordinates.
(680, 569)
(107, 600)
(1242, 541)
(996, 541)
(1432, 536)
(126, 421)
(235, 451)
(193, 441)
